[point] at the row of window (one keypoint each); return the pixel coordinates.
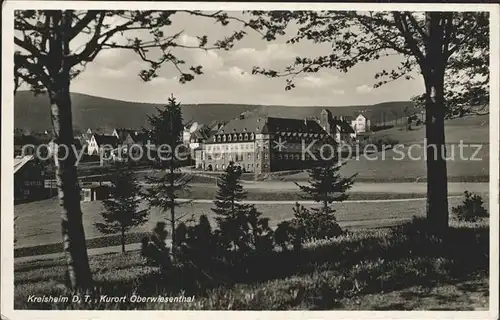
(33, 183)
(246, 146)
(235, 137)
(249, 166)
(241, 157)
(236, 156)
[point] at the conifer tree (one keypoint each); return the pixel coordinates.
(122, 208)
(166, 138)
(325, 187)
(240, 225)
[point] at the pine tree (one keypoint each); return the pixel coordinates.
(166, 137)
(325, 187)
(240, 225)
(122, 208)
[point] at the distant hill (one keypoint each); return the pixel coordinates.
(33, 112)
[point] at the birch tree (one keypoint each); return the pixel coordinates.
(52, 48)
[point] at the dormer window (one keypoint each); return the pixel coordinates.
(246, 136)
(252, 136)
(240, 137)
(224, 138)
(228, 138)
(235, 137)
(218, 138)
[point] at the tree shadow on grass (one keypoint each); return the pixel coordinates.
(395, 260)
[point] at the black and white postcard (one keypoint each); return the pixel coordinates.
(341, 160)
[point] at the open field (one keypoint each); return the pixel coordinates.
(38, 222)
(392, 166)
(383, 269)
(470, 129)
(407, 161)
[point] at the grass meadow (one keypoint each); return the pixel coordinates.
(38, 223)
(399, 268)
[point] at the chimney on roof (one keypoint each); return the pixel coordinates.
(242, 116)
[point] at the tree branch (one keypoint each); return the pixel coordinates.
(82, 23)
(402, 25)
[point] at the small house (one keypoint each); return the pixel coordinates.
(94, 192)
(28, 179)
(101, 144)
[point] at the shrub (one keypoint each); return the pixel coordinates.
(471, 209)
(288, 234)
(315, 225)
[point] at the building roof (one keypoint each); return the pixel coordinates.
(140, 137)
(344, 126)
(22, 140)
(123, 133)
(257, 124)
(291, 125)
(106, 140)
(20, 162)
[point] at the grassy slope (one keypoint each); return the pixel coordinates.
(469, 130)
(39, 222)
(89, 111)
(366, 270)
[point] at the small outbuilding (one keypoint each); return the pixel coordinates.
(94, 192)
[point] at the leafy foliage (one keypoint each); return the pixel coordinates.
(471, 209)
(317, 224)
(435, 44)
(122, 208)
(357, 37)
(39, 32)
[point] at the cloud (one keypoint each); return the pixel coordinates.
(238, 74)
(162, 81)
(318, 81)
(210, 60)
(187, 40)
(364, 89)
(265, 57)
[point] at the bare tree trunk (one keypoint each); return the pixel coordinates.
(437, 179)
(73, 235)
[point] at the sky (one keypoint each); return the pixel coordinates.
(227, 75)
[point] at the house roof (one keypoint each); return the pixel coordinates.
(123, 133)
(22, 140)
(344, 126)
(20, 162)
(76, 142)
(291, 125)
(140, 137)
(103, 131)
(257, 124)
(106, 140)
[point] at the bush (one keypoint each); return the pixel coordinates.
(289, 234)
(471, 209)
(315, 225)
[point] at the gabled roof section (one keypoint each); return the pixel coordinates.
(343, 125)
(106, 140)
(20, 162)
(292, 125)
